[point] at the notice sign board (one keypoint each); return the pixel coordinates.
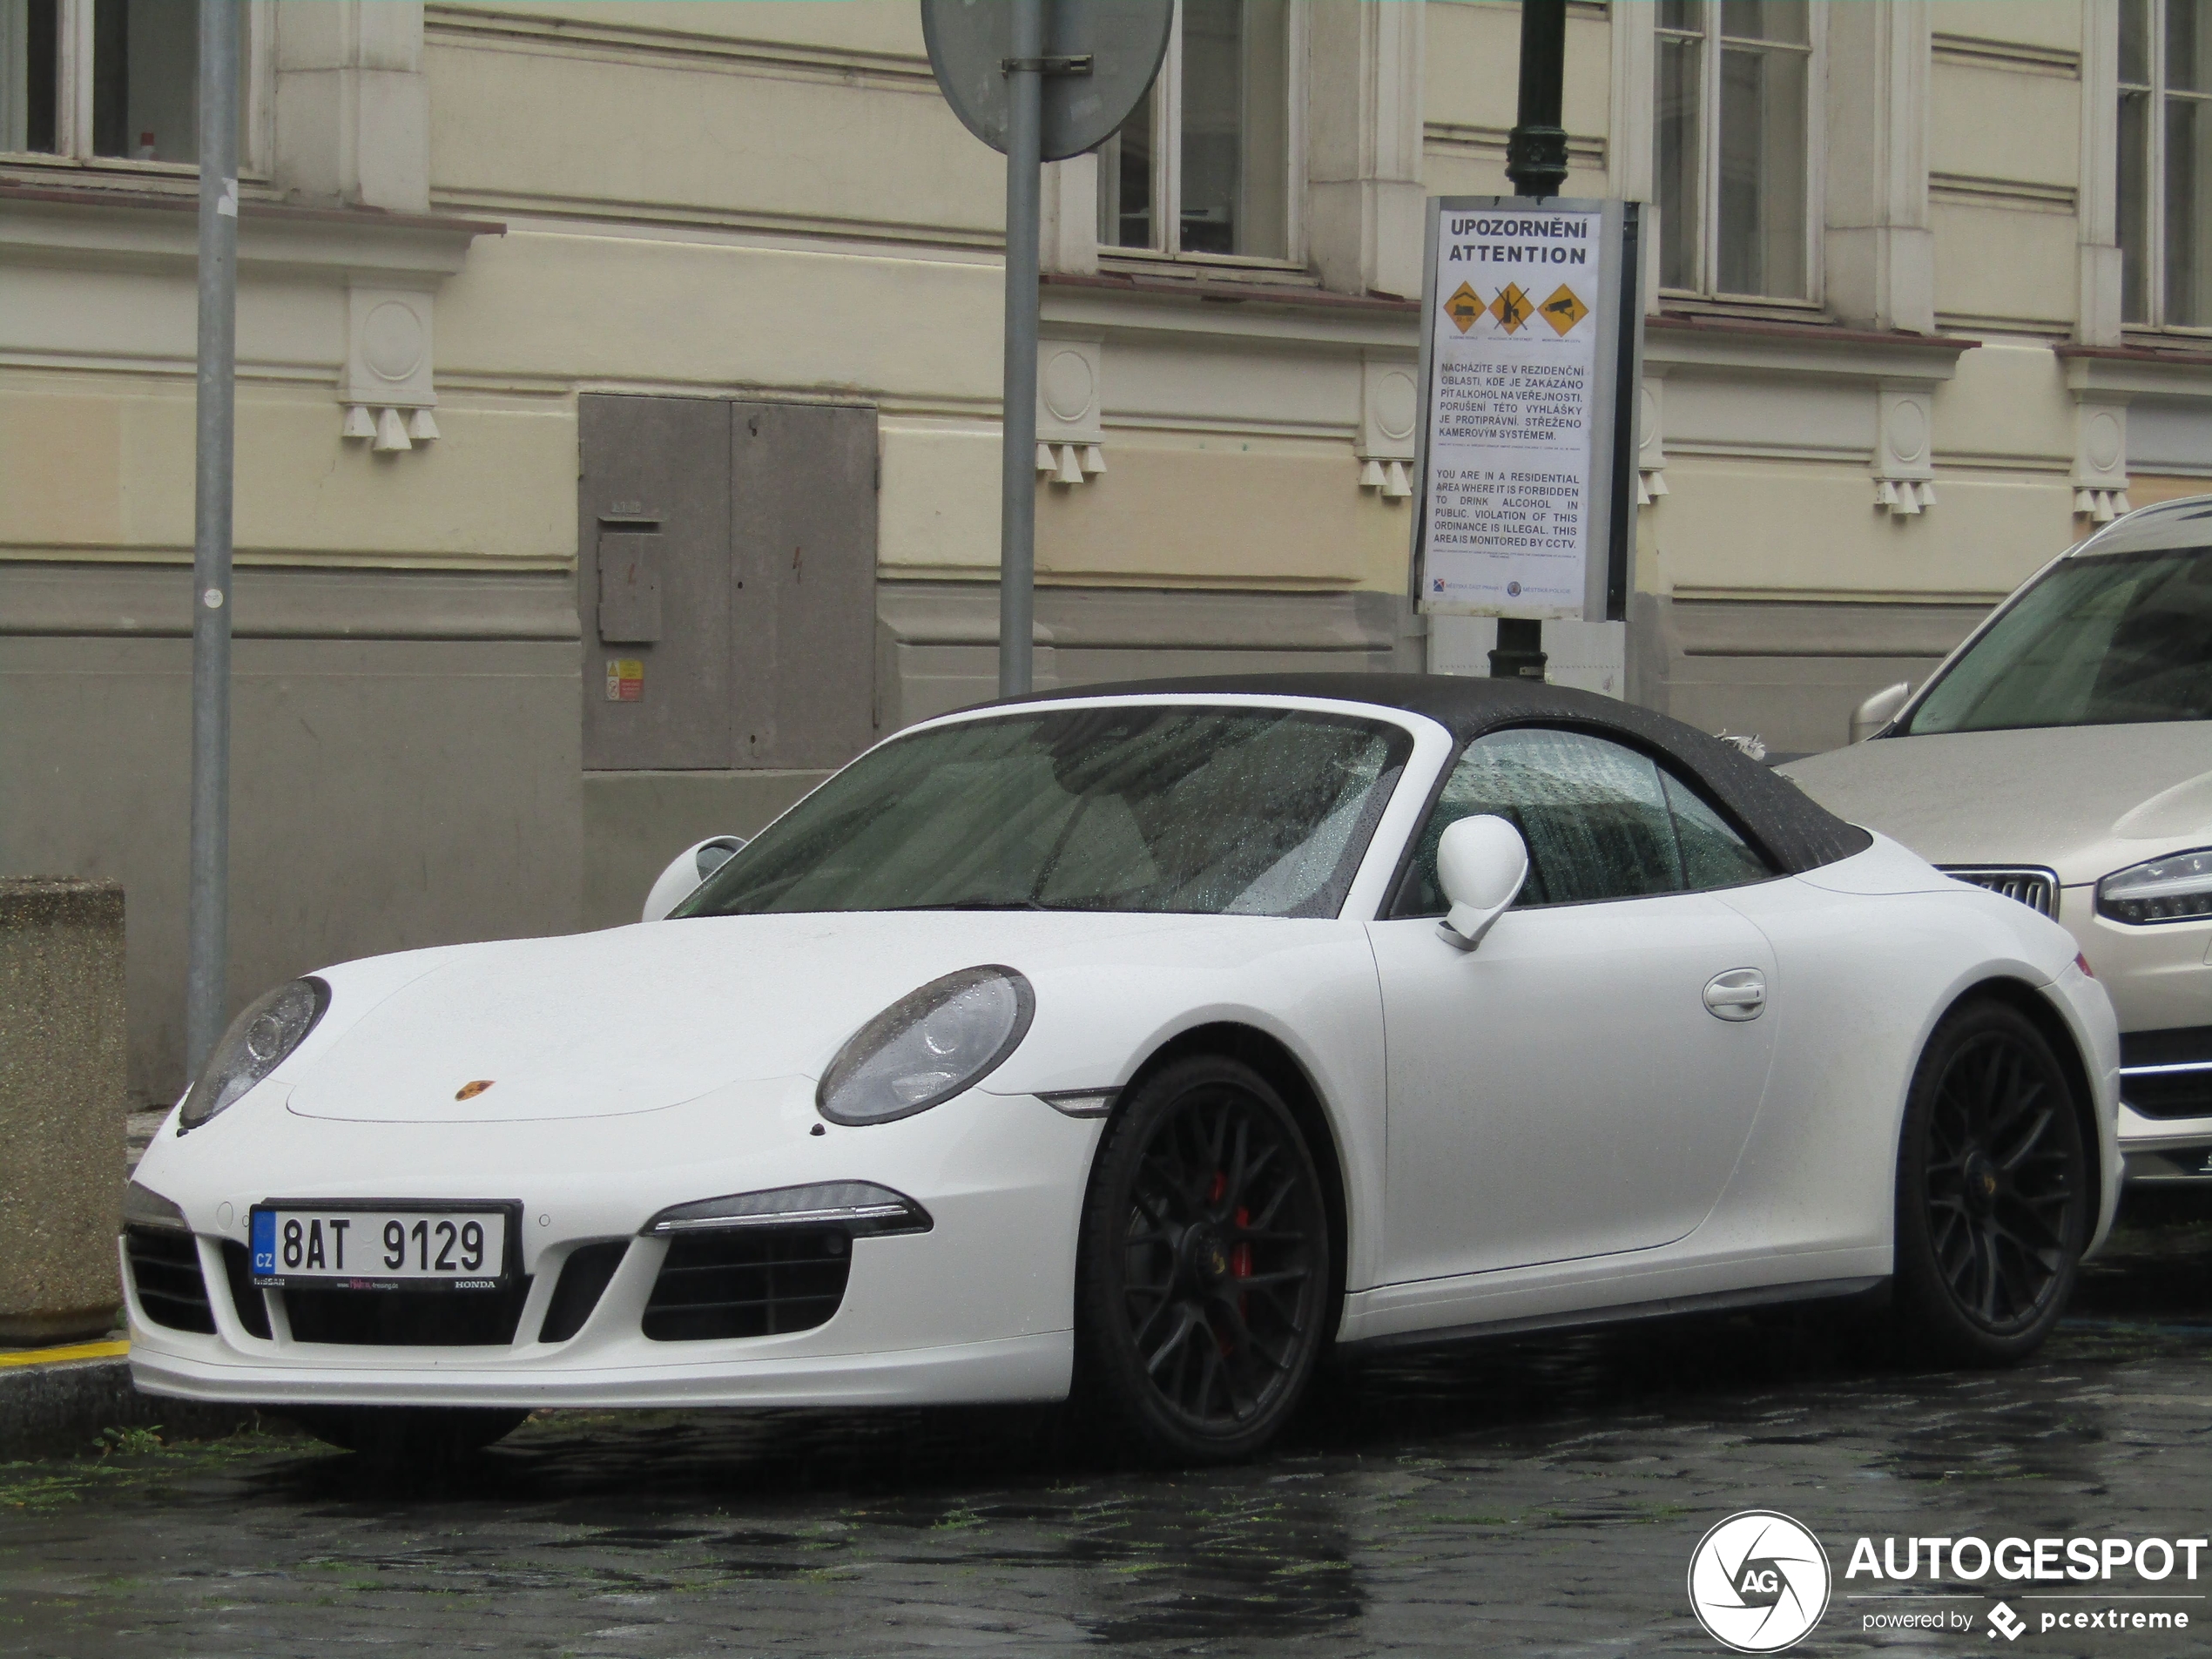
(1521, 489)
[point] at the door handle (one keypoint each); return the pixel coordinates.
(1740, 993)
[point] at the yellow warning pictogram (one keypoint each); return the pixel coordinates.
(1464, 308)
(1564, 309)
(1511, 308)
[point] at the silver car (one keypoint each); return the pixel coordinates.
(2063, 756)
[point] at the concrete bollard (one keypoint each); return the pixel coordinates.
(61, 1083)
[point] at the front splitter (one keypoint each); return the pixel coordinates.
(1015, 1368)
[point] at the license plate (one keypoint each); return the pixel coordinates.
(390, 1247)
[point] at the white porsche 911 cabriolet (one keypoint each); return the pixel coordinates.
(1144, 1043)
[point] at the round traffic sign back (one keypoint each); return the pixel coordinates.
(1083, 104)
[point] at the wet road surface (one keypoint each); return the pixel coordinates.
(1537, 1496)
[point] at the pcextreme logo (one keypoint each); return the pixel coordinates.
(1759, 1582)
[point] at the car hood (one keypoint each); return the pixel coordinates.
(2081, 800)
(640, 1018)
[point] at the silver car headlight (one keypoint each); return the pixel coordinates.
(928, 1046)
(270, 1027)
(2177, 888)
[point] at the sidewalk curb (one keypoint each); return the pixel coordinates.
(54, 1408)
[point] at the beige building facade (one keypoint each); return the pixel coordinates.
(618, 397)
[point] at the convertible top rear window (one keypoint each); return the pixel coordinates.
(1205, 810)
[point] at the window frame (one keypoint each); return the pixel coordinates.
(1397, 893)
(2155, 93)
(73, 101)
(1708, 139)
(1167, 165)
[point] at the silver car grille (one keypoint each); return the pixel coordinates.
(2036, 888)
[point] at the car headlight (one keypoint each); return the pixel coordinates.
(928, 1046)
(144, 1207)
(2177, 888)
(270, 1027)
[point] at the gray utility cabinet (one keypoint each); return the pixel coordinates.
(725, 576)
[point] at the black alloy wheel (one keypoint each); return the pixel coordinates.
(1994, 1195)
(1203, 1282)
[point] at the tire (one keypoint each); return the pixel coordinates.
(409, 1437)
(1203, 1295)
(1994, 1200)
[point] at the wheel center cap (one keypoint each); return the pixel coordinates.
(1205, 1256)
(1981, 1182)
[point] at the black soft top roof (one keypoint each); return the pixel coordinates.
(1799, 834)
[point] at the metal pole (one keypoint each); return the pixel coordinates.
(1018, 504)
(1536, 148)
(207, 944)
(1536, 162)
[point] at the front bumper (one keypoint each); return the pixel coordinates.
(980, 1308)
(2160, 979)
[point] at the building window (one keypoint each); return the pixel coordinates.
(102, 80)
(1203, 166)
(2166, 163)
(1731, 147)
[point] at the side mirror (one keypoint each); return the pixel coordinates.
(1480, 864)
(684, 873)
(1878, 710)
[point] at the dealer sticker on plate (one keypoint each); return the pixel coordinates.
(381, 1249)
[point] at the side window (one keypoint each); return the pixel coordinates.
(1713, 855)
(1601, 821)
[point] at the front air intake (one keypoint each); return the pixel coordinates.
(749, 1282)
(406, 1318)
(583, 1280)
(164, 1272)
(247, 1296)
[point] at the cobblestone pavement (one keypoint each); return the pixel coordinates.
(1539, 1496)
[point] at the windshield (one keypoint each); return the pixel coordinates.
(1246, 811)
(2105, 640)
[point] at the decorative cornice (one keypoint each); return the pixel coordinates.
(297, 212)
(1822, 349)
(2177, 357)
(2128, 371)
(1228, 291)
(159, 229)
(806, 232)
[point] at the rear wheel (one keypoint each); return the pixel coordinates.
(408, 1436)
(1203, 1294)
(1993, 1192)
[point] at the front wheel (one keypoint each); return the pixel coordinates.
(1204, 1292)
(1993, 1192)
